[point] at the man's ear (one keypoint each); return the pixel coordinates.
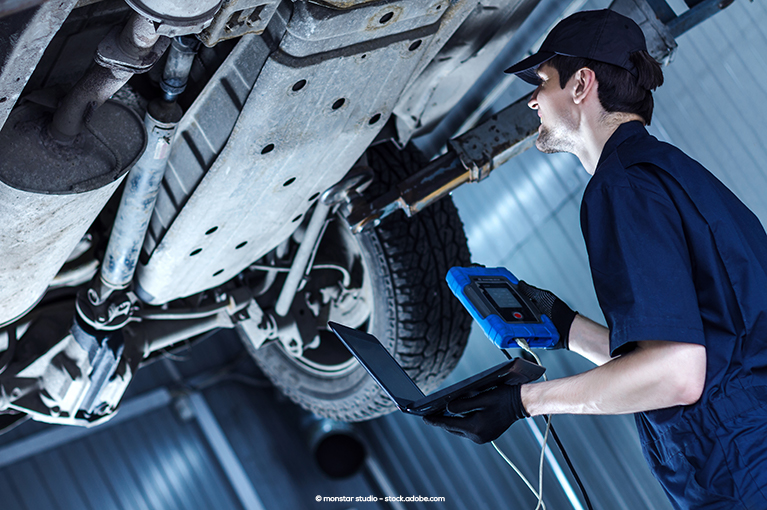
(585, 84)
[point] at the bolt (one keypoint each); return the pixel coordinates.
(101, 318)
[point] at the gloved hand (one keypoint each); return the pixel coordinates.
(560, 314)
(486, 415)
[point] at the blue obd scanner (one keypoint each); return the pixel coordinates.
(491, 297)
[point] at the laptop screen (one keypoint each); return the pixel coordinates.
(379, 363)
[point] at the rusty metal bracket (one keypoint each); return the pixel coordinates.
(236, 18)
(492, 143)
(110, 53)
(470, 158)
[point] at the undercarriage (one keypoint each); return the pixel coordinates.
(265, 124)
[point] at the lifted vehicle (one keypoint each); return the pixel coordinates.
(259, 192)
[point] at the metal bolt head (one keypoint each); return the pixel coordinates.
(93, 297)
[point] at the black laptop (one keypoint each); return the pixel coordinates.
(403, 391)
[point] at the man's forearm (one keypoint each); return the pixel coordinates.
(655, 375)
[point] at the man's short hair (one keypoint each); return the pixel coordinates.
(618, 89)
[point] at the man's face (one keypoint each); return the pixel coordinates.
(554, 106)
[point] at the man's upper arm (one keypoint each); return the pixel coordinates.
(641, 267)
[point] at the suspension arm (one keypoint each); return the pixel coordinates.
(470, 158)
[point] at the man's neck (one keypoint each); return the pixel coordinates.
(594, 136)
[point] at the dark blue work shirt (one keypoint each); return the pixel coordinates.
(675, 256)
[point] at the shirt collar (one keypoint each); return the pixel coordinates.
(624, 132)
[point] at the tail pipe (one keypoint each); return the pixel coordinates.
(336, 447)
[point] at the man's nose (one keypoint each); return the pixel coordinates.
(533, 102)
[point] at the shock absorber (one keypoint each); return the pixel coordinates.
(107, 305)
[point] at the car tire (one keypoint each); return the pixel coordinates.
(413, 313)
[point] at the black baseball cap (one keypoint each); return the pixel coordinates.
(603, 35)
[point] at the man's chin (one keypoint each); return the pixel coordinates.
(550, 142)
(546, 147)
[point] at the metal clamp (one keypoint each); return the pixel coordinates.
(107, 311)
(111, 54)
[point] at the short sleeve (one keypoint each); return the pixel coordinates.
(641, 266)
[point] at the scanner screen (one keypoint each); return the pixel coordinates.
(503, 297)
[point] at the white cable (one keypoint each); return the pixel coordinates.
(538, 494)
(519, 473)
(523, 344)
(540, 464)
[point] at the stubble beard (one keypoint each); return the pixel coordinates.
(551, 141)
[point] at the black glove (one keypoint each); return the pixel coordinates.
(486, 415)
(560, 314)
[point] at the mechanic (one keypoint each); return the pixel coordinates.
(679, 266)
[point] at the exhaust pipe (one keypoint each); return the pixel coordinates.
(335, 446)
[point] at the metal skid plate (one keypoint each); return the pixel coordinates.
(482, 35)
(307, 120)
(203, 131)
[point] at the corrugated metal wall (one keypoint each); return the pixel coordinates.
(714, 102)
(147, 463)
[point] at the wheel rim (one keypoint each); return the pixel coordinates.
(339, 257)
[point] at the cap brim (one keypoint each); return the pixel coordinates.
(527, 67)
